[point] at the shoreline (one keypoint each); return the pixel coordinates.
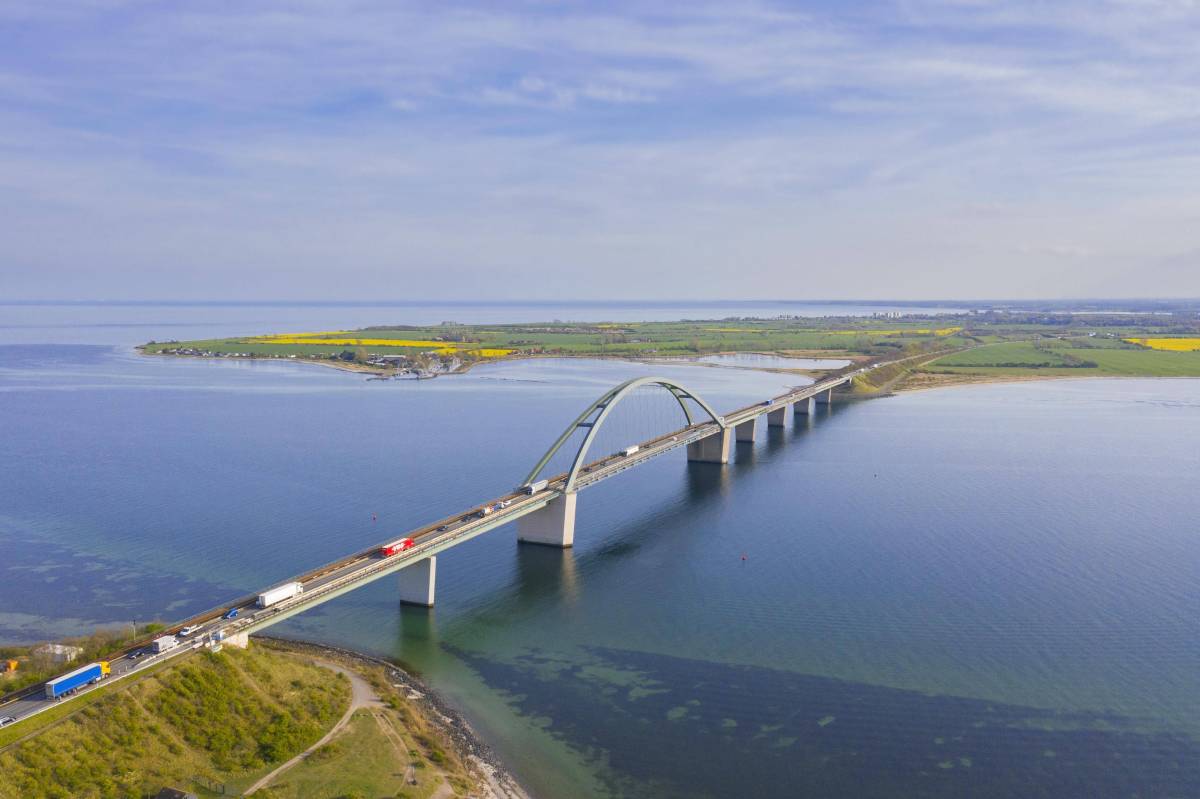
(465, 367)
(492, 771)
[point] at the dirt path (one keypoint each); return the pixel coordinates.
(361, 695)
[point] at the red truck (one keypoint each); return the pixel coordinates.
(388, 550)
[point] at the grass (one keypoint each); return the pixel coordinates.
(631, 339)
(1066, 358)
(225, 717)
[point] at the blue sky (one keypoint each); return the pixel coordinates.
(546, 150)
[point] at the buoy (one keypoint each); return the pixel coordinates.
(743, 556)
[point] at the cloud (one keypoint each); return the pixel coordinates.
(924, 147)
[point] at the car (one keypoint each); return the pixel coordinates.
(443, 528)
(232, 614)
(6, 720)
(186, 631)
(137, 653)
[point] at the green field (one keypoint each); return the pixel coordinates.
(1067, 358)
(646, 339)
(999, 343)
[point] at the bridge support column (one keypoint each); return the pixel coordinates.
(553, 525)
(825, 397)
(804, 407)
(417, 582)
(711, 449)
(777, 417)
(745, 430)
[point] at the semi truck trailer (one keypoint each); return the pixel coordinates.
(279, 593)
(91, 673)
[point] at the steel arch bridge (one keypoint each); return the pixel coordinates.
(602, 407)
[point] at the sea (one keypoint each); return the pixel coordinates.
(981, 591)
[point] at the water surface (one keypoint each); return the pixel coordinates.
(983, 591)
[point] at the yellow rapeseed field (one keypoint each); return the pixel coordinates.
(356, 342)
(1168, 344)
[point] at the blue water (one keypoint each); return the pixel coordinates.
(981, 591)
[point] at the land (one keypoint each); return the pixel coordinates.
(982, 345)
(282, 719)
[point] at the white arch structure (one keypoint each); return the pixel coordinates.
(604, 405)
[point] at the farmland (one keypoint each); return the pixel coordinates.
(989, 345)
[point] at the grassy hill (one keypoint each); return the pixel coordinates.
(220, 717)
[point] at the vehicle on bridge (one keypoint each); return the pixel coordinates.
(534, 487)
(630, 450)
(279, 593)
(186, 631)
(232, 613)
(73, 681)
(387, 550)
(164, 643)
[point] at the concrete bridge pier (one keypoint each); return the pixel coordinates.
(804, 407)
(711, 449)
(777, 417)
(745, 430)
(417, 582)
(825, 397)
(553, 525)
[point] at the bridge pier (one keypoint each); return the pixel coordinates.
(417, 582)
(711, 449)
(553, 525)
(777, 417)
(825, 397)
(745, 430)
(804, 407)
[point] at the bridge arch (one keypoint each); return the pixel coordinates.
(604, 405)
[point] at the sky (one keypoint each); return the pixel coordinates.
(337, 150)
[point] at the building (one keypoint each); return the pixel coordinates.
(58, 653)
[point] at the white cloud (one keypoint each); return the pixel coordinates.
(924, 148)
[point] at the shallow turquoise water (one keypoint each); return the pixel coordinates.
(983, 591)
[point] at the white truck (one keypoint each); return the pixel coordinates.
(164, 644)
(630, 450)
(279, 593)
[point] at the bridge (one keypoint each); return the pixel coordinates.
(543, 508)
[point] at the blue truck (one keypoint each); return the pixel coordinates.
(60, 686)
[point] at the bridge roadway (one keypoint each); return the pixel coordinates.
(337, 578)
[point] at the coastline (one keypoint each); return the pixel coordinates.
(496, 780)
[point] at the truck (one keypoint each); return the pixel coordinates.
(164, 644)
(73, 681)
(387, 550)
(630, 450)
(533, 488)
(279, 593)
